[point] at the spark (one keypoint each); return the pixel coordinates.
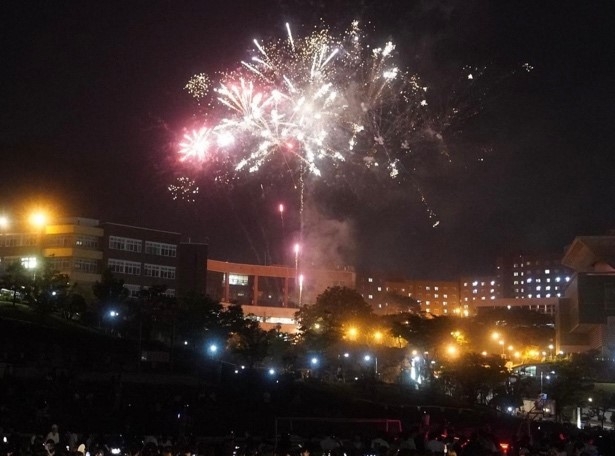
(320, 100)
(195, 144)
(198, 85)
(184, 189)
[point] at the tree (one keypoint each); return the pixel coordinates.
(426, 333)
(473, 377)
(251, 343)
(402, 304)
(50, 288)
(110, 290)
(17, 279)
(336, 309)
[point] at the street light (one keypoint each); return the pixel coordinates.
(368, 359)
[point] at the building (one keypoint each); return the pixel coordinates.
(585, 319)
(436, 297)
(474, 291)
(546, 306)
(532, 276)
(82, 248)
(272, 294)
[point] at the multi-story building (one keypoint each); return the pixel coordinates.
(82, 248)
(477, 290)
(532, 276)
(585, 319)
(272, 294)
(436, 297)
(373, 289)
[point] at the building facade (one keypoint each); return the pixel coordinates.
(532, 276)
(83, 248)
(585, 319)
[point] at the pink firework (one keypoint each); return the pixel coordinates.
(195, 145)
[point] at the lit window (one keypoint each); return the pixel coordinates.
(482, 284)
(427, 303)
(370, 280)
(559, 295)
(529, 280)
(530, 295)
(516, 274)
(445, 310)
(370, 297)
(428, 288)
(435, 296)
(538, 288)
(548, 295)
(538, 295)
(537, 280)
(465, 284)
(547, 271)
(435, 288)
(547, 288)
(445, 296)
(475, 283)
(492, 297)
(482, 298)
(558, 279)
(491, 291)
(567, 279)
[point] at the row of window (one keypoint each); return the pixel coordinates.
(79, 240)
(135, 289)
(136, 246)
(18, 240)
(134, 268)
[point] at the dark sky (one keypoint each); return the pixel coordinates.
(92, 102)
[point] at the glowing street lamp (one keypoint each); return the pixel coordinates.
(38, 219)
(368, 359)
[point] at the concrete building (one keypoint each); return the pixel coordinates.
(477, 290)
(82, 248)
(585, 319)
(436, 297)
(273, 294)
(546, 306)
(532, 276)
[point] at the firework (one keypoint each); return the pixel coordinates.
(184, 189)
(198, 86)
(322, 98)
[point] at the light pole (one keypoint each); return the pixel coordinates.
(368, 358)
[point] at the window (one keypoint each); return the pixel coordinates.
(29, 240)
(84, 265)
(157, 270)
(160, 249)
(126, 244)
(90, 242)
(370, 280)
(236, 279)
(60, 264)
(124, 267)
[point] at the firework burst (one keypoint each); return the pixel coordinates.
(319, 99)
(184, 189)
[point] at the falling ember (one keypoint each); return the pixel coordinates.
(184, 189)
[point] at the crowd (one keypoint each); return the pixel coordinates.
(418, 441)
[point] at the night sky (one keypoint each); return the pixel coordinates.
(92, 106)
